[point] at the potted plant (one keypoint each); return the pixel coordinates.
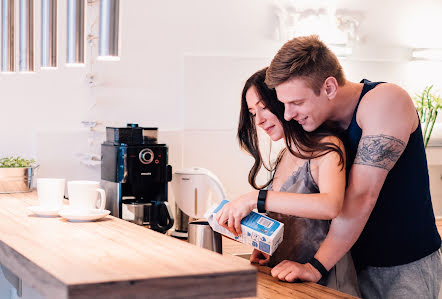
(16, 174)
(427, 106)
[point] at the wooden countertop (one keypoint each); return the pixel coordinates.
(269, 287)
(111, 258)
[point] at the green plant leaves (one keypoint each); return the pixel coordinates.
(427, 106)
(12, 162)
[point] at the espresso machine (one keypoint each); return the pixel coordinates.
(135, 174)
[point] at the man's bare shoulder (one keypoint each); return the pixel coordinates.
(387, 94)
(385, 105)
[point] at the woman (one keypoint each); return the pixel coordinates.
(307, 188)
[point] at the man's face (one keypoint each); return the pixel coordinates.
(302, 104)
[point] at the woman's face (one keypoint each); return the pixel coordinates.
(262, 116)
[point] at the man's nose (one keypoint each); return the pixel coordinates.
(289, 113)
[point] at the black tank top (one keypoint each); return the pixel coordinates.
(401, 229)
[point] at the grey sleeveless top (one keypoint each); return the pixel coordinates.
(303, 237)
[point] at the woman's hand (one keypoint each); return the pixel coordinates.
(290, 271)
(259, 257)
(233, 212)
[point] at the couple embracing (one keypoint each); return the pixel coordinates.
(351, 185)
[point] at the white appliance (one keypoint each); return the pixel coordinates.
(194, 190)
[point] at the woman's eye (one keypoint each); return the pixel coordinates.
(252, 114)
(262, 108)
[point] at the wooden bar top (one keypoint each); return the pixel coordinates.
(111, 258)
(269, 287)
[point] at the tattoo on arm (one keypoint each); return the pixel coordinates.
(379, 151)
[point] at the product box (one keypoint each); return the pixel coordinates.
(259, 231)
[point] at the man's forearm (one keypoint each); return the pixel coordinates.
(346, 228)
(376, 155)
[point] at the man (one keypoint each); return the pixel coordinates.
(387, 219)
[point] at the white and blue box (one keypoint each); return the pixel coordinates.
(258, 231)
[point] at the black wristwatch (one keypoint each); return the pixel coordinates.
(318, 266)
(262, 195)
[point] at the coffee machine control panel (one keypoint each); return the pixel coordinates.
(136, 163)
(146, 156)
(135, 174)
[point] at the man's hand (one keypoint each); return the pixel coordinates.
(233, 212)
(290, 271)
(259, 257)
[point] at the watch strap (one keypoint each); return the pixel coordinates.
(262, 195)
(318, 266)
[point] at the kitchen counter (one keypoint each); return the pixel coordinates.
(269, 287)
(111, 258)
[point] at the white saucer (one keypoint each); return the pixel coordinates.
(82, 215)
(44, 211)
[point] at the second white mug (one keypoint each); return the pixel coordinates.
(83, 195)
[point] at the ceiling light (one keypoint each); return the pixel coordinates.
(7, 19)
(49, 34)
(75, 33)
(26, 44)
(109, 30)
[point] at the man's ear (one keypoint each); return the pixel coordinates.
(331, 87)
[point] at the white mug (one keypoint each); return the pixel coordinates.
(83, 195)
(50, 192)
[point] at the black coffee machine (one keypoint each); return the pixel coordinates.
(135, 174)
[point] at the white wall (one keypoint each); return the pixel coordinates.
(183, 64)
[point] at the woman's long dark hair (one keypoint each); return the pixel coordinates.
(308, 144)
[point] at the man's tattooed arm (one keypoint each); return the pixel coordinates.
(379, 151)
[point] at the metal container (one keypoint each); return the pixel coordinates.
(181, 220)
(155, 214)
(16, 180)
(138, 213)
(181, 224)
(202, 235)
